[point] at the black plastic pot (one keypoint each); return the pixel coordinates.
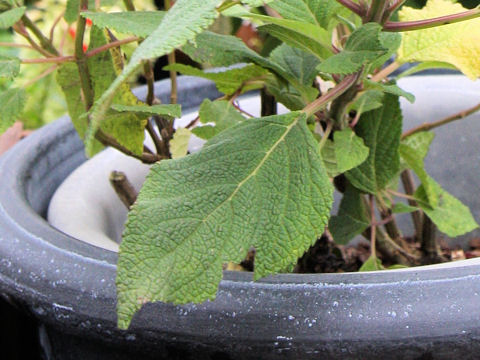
(69, 285)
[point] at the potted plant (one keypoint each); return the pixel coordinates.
(259, 186)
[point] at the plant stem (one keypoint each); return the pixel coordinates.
(382, 74)
(429, 23)
(20, 29)
(268, 103)
(110, 45)
(428, 126)
(124, 189)
(15, 45)
(44, 41)
(81, 59)
(395, 5)
(49, 60)
(55, 23)
(373, 232)
(326, 134)
(429, 243)
(171, 61)
(356, 8)
(153, 134)
(417, 216)
(376, 12)
(334, 93)
(41, 76)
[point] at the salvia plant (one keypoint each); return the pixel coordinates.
(258, 183)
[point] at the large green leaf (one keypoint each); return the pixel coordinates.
(366, 101)
(381, 130)
(9, 66)
(229, 81)
(351, 219)
(222, 113)
(350, 151)
(183, 22)
(318, 12)
(260, 183)
(173, 110)
(362, 47)
(389, 88)
(10, 17)
(139, 23)
(12, 102)
(450, 215)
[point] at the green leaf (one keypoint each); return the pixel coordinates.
(372, 264)
(297, 63)
(138, 23)
(455, 44)
(390, 88)
(362, 47)
(397, 266)
(287, 94)
(222, 113)
(401, 208)
(351, 219)
(182, 23)
(9, 66)
(126, 127)
(329, 158)
(391, 42)
(318, 12)
(450, 215)
(255, 3)
(179, 143)
(350, 151)
(258, 184)
(413, 151)
(227, 82)
(10, 17)
(366, 101)
(12, 102)
(381, 130)
(173, 110)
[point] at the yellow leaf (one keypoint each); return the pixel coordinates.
(179, 143)
(457, 44)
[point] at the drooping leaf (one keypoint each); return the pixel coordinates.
(351, 219)
(329, 158)
(455, 44)
(173, 110)
(183, 22)
(12, 102)
(391, 42)
(10, 17)
(350, 151)
(227, 82)
(260, 183)
(428, 65)
(318, 12)
(179, 143)
(362, 47)
(389, 88)
(126, 127)
(255, 3)
(138, 23)
(380, 129)
(287, 94)
(413, 151)
(372, 264)
(450, 215)
(9, 66)
(221, 113)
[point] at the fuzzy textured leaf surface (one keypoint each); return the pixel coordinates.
(222, 113)
(227, 82)
(351, 219)
(380, 129)
(12, 102)
(179, 143)
(318, 12)
(362, 46)
(9, 66)
(350, 151)
(389, 88)
(10, 17)
(173, 110)
(367, 101)
(138, 23)
(457, 44)
(329, 158)
(401, 208)
(450, 215)
(183, 22)
(260, 183)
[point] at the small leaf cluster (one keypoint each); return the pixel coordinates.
(259, 182)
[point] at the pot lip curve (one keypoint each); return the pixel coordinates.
(40, 233)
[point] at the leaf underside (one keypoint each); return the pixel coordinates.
(260, 183)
